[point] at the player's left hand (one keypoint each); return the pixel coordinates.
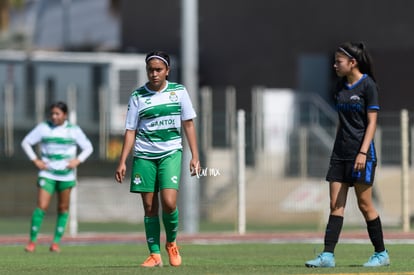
(195, 167)
(360, 162)
(73, 163)
(120, 172)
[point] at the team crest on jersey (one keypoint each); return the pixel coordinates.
(173, 97)
(148, 101)
(355, 98)
(137, 179)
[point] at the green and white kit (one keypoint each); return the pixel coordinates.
(58, 145)
(157, 118)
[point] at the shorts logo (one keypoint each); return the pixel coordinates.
(174, 179)
(137, 179)
(42, 182)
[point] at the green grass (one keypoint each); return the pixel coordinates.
(200, 259)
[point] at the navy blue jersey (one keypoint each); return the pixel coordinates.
(352, 104)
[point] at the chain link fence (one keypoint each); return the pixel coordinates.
(288, 141)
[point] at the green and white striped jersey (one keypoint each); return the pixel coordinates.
(157, 116)
(58, 145)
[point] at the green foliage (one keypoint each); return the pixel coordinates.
(200, 259)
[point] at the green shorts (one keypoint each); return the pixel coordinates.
(54, 185)
(153, 175)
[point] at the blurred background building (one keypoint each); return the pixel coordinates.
(61, 25)
(282, 43)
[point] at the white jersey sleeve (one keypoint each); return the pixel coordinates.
(84, 143)
(187, 110)
(32, 138)
(132, 116)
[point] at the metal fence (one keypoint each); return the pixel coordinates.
(288, 140)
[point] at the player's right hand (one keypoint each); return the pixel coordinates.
(120, 173)
(40, 164)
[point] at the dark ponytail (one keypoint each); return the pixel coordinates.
(359, 52)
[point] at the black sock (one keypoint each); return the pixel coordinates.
(333, 229)
(374, 228)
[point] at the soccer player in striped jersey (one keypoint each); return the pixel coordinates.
(354, 158)
(58, 139)
(157, 113)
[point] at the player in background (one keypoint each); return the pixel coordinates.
(58, 140)
(156, 114)
(353, 160)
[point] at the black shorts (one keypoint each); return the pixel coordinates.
(343, 171)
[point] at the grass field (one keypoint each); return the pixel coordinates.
(241, 258)
(200, 259)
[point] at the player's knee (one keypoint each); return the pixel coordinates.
(62, 207)
(365, 208)
(150, 210)
(337, 209)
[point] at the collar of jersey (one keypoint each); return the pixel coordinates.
(51, 125)
(348, 87)
(163, 90)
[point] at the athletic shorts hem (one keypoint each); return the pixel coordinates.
(150, 191)
(51, 186)
(343, 171)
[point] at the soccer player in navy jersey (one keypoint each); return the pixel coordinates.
(353, 160)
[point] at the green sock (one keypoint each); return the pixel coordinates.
(37, 219)
(152, 233)
(171, 225)
(62, 219)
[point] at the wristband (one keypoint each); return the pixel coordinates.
(362, 153)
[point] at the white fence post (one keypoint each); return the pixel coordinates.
(73, 207)
(207, 119)
(103, 123)
(230, 115)
(303, 151)
(241, 168)
(405, 177)
(40, 102)
(9, 119)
